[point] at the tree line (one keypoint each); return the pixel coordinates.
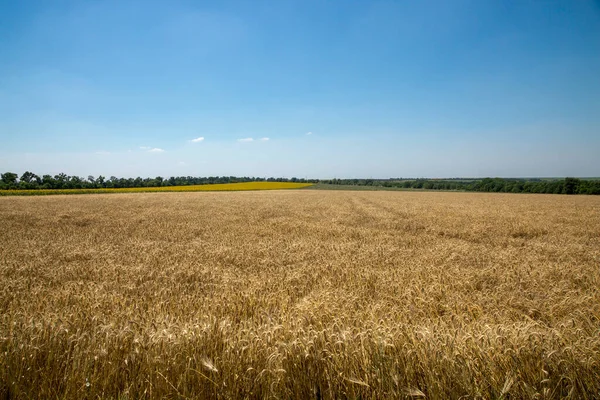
(31, 181)
(500, 185)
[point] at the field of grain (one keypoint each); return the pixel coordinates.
(217, 187)
(300, 294)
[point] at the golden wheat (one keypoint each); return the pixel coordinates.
(300, 294)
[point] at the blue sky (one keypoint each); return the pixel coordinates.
(324, 88)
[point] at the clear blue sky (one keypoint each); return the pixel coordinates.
(386, 88)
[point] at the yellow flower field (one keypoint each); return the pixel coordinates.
(192, 188)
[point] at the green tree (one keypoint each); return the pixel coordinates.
(9, 178)
(101, 181)
(571, 185)
(92, 181)
(61, 180)
(30, 178)
(76, 182)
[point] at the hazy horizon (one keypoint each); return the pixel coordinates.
(301, 89)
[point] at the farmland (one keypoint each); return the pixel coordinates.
(300, 294)
(242, 186)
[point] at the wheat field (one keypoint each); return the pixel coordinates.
(300, 294)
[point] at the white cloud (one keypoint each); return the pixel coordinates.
(197, 140)
(151, 149)
(246, 140)
(103, 153)
(265, 139)
(181, 163)
(308, 133)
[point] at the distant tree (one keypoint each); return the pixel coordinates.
(9, 178)
(75, 182)
(48, 182)
(30, 177)
(113, 182)
(101, 181)
(571, 185)
(30, 180)
(60, 180)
